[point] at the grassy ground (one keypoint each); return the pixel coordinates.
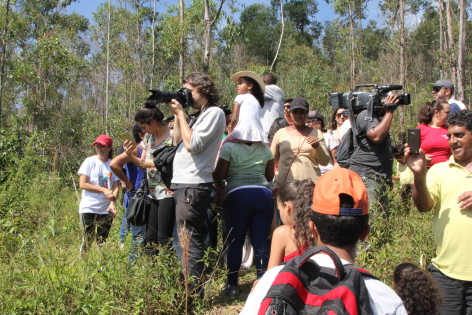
(42, 272)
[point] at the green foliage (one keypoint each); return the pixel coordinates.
(404, 238)
(43, 272)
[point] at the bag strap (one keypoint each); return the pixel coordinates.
(339, 267)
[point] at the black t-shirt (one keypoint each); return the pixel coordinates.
(371, 158)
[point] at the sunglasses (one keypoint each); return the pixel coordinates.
(341, 114)
(437, 89)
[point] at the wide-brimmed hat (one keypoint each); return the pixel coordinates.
(251, 75)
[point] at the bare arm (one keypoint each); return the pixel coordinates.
(421, 195)
(84, 184)
(270, 170)
(182, 131)
(116, 190)
(379, 132)
(277, 247)
(142, 162)
(234, 117)
(219, 174)
(117, 167)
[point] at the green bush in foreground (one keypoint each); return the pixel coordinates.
(42, 271)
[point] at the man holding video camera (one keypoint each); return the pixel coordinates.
(192, 180)
(372, 158)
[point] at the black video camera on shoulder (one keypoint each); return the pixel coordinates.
(360, 99)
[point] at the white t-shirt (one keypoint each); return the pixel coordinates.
(249, 125)
(383, 300)
(273, 106)
(99, 174)
(458, 103)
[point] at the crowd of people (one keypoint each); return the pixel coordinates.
(270, 167)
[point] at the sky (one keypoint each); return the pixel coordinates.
(325, 10)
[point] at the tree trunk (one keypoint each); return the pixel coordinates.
(353, 46)
(107, 66)
(4, 55)
(206, 37)
(442, 36)
(402, 58)
(182, 41)
(153, 60)
(461, 53)
(451, 44)
(281, 34)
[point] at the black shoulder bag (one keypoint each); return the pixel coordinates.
(139, 204)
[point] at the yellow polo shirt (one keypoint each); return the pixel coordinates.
(452, 226)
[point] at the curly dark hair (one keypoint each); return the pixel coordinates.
(300, 192)
(148, 112)
(426, 112)
(461, 118)
(204, 85)
(416, 288)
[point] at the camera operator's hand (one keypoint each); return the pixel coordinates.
(391, 103)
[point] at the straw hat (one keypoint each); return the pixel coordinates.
(251, 75)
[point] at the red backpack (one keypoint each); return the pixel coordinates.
(304, 287)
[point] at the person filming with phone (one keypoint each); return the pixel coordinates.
(447, 190)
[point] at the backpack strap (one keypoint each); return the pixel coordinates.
(339, 267)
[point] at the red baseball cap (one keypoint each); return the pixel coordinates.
(103, 140)
(340, 181)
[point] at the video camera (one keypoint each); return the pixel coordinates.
(183, 96)
(361, 99)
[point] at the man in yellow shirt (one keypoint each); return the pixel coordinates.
(447, 190)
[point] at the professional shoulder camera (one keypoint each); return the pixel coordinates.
(183, 96)
(360, 99)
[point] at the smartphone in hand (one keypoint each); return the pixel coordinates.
(414, 140)
(126, 135)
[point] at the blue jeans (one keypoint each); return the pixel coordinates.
(137, 234)
(247, 208)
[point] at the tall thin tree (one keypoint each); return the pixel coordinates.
(207, 34)
(462, 44)
(4, 54)
(153, 30)
(281, 34)
(451, 42)
(182, 40)
(107, 79)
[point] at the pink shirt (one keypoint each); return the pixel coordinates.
(434, 141)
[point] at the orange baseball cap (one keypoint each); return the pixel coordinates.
(340, 181)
